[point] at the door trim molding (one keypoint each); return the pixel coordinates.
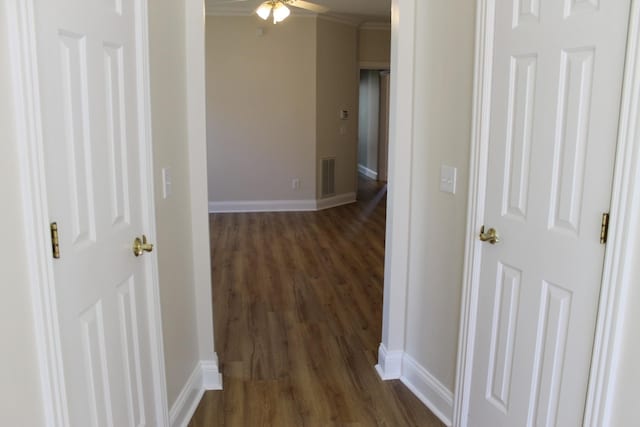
(22, 45)
(625, 211)
(398, 227)
(154, 317)
(478, 166)
(615, 274)
(25, 79)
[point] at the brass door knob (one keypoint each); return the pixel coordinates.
(141, 246)
(491, 236)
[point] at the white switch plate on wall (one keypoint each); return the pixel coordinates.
(166, 182)
(448, 179)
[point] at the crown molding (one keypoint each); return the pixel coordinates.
(221, 11)
(350, 20)
(380, 26)
(239, 10)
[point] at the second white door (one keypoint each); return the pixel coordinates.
(555, 99)
(92, 78)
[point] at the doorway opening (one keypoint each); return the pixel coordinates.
(297, 283)
(373, 129)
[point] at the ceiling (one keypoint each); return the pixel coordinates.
(352, 10)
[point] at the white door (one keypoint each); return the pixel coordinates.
(89, 66)
(556, 87)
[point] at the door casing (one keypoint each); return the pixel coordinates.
(622, 209)
(22, 39)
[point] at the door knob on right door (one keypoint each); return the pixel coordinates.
(491, 235)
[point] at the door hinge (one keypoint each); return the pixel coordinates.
(604, 228)
(55, 243)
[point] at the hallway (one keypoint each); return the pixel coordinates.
(298, 312)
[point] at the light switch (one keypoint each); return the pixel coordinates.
(166, 182)
(448, 179)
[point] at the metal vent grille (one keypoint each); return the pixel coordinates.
(328, 176)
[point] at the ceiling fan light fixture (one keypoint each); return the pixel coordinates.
(280, 12)
(264, 10)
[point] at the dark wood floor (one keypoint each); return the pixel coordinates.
(298, 313)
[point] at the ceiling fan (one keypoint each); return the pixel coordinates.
(278, 8)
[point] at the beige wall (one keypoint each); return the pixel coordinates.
(20, 398)
(261, 108)
(442, 118)
(173, 215)
(374, 46)
(337, 89)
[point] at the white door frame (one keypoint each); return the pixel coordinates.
(398, 227)
(623, 213)
(22, 34)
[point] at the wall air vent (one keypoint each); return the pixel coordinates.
(328, 176)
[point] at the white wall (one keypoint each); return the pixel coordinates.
(368, 124)
(168, 67)
(337, 89)
(20, 398)
(442, 120)
(430, 125)
(197, 131)
(261, 108)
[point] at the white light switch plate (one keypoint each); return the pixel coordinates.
(166, 182)
(448, 179)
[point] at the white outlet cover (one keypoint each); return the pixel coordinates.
(448, 179)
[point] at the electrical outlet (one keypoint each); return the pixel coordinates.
(295, 183)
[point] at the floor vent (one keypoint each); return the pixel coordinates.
(328, 176)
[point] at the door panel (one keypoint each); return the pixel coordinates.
(88, 59)
(555, 99)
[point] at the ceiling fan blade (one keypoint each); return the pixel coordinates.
(302, 4)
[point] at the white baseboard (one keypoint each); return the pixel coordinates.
(263, 206)
(369, 173)
(281, 205)
(205, 376)
(389, 365)
(437, 397)
(211, 376)
(332, 202)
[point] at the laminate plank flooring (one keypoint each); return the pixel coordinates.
(298, 316)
